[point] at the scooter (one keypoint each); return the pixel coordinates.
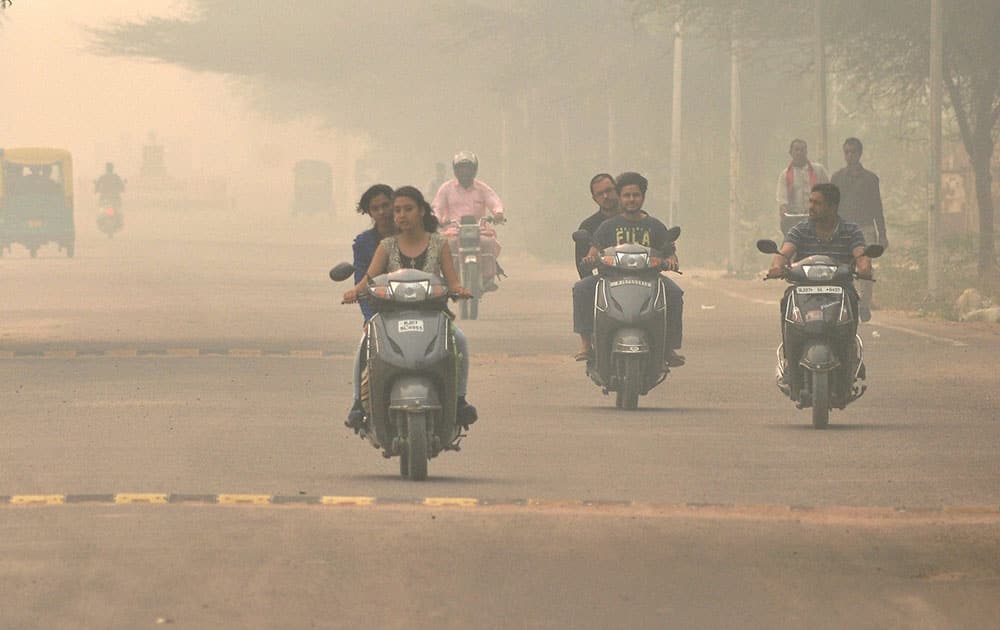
(821, 358)
(409, 380)
(465, 239)
(630, 321)
(109, 216)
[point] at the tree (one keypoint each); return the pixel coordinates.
(881, 51)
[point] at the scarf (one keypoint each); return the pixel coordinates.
(790, 178)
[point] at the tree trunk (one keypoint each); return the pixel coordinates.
(984, 199)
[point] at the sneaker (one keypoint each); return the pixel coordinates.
(465, 414)
(673, 359)
(489, 285)
(355, 417)
(864, 313)
(584, 355)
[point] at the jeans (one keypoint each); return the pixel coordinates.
(461, 344)
(583, 309)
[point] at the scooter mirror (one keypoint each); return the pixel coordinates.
(767, 246)
(674, 233)
(581, 236)
(341, 272)
(874, 250)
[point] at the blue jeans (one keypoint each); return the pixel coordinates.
(583, 309)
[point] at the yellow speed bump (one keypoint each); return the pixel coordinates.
(182, 352)
(125, 498)
(347, 500)
(450, 502)
(245, 352)
(38, 499)
(244, 499)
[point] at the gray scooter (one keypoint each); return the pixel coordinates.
(630, 321)
(409, 382)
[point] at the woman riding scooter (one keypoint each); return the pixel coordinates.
(417, 245)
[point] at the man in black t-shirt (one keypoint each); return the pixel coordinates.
(633, 225)
(602, 190)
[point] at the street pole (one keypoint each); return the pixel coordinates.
(820, 61)
(735, 125)
(675, 126)
(934, 170)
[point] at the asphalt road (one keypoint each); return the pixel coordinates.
(183, 373)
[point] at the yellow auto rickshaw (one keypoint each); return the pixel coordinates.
(36, 199)
(313, 187)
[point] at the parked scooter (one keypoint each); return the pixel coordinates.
(821, 358)
(466, 239)
(408, 384)
(109, 216)
(630, 321)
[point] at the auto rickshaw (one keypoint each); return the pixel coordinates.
(313, 187)
(36, 199)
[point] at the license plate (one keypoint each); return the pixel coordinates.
(411, 325)
(470, 259)
(813, 290)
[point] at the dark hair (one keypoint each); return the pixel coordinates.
(370, 194)
(831, 194)
(410, 192)
(797, 140)
(631, 179)
(599, 177)
(855, 142)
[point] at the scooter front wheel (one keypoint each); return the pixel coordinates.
(821, 399)
(416, 445)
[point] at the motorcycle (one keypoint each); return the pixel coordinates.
(109, 216)
(630, 321)
(465, 239)
(409, 382)
(826, 370)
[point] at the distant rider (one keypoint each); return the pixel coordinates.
(633, 225)
(110, 186)
(467, 196)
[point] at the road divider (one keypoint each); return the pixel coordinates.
(875, 516)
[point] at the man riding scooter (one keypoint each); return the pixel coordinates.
(633, 225)
(467, 196)
(110, 187)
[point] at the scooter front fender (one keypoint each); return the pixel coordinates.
(413, 393)
(819, 357)
(630, 341)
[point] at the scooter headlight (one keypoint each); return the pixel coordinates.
(410, 291)
(819, 273)
(632, 261)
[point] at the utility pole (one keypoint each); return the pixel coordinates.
(934, 170)
(675, 126)
(820, 62)
(735, 153)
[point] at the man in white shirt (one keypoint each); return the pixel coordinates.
(795, 183)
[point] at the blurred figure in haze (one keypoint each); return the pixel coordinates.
(467, 196)
(109, 186)
(795, 183)
(861, 203)
(440, 177)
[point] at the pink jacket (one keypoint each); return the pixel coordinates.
(453, 202)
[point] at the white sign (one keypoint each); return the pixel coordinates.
(411, 325)
(835, 290)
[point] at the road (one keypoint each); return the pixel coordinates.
(172, 452)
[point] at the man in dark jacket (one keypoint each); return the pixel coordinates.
(604, 194)
(861, 203)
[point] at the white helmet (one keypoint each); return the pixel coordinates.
(465, 157)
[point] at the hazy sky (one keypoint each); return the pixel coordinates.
(56, 93)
